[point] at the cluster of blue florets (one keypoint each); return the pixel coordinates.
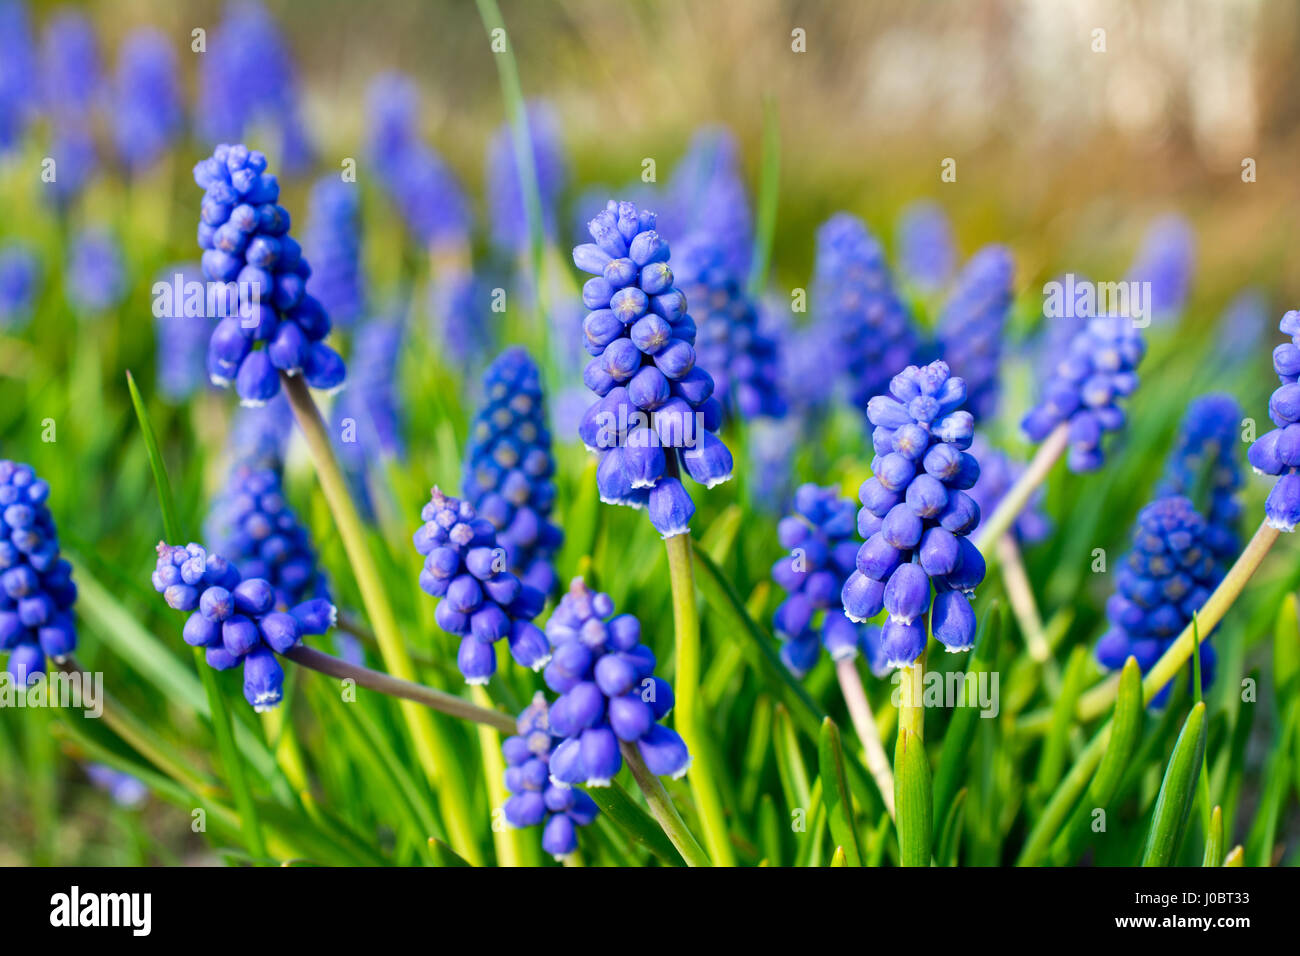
(534, 798)
(252, 525)
(822, 553)
(1204, 463)
(36, 589)
(1277, 452)
(147, 110)
(245, 237)
(972, 326)
(508, 468)
(926, 250)
(333, 242)
(742, 359)
(916, 516)
(854, 296)
(1084, 389)
(234, 619)
(1163, 581)
(608, 693)
(508, 216)
(481, 600)
(652, 393)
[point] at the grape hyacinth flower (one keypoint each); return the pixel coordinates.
(507, 216)
(245, 238)
(1084, 389)
(1277, 452)
(333, 244)
(998, 474)
(247, 80)
(182, 342)
(1242, 326)
(147, 101)
(96, 274)
(234, 619)
(608, 694)
(1166, 260)
(19, 274)
(707, 199)
(369, 415)
(124, 789)
(534, 799)
(259, 436)
(855, 299)
(36, 588)
(508, 468)
(822, 553)
(1204, 461)
(481, 601)
(926, 250)
(916, 517)
(457, 303)
(972, 324)
(17, 94)
(253, 526)
(70, 65)
(742, 359)
(656, 410)
(1163, 581)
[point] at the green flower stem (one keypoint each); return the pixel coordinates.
(506, 839)
(661, 805)
(1014, 501)
(686, 620)
(406, 690)
(1164, 670)
(433, 750)
(911, 690)
(1020, 595)
(864, 723)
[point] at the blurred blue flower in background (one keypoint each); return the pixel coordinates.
(506, 214)
(1166, 260)
(332, 243)
(17, 73)
(147, 109)
(19, 279)
(926, 249)
(96, 276)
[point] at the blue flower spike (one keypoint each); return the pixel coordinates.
(36, 588)
(821, 553)
(235, 619)
(609, 694)
(509, 468)
(276, 326)
(656, 415)
(480, 600)
(917, 516)
(1277, 452)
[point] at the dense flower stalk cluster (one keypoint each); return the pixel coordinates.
(1163, 581)
(96, 275)
(534, 798)
(656, 410)
(926, 249)
(608, 693)
(234, 619)
(248, 81)
(998, 473)
(1084, 389)
(1166, 260)
(507, 215)
(481, 600)
(70, 81)
(1277, 452)
(916, 517)
(1204, 468)
(36, 589)
(854, 295)
(707, 199)
(245, 237)
(508, 468)
(259, 436)
(420, 184)
(147, 99)
(972, 326)
(19, 274)
(369, 415)
(333, 244)
(821, 554)
(17, 69)
(742, 359)
(252, 525)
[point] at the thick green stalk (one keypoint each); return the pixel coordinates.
(686, 620)
(432, 748)
(661, 805)
(911, 704)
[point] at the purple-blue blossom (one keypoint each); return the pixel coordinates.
(17, 73)
(146, 98)
(96, 277)
(1204, 466)
(1166, 260)
(706, 198)
(332, 241)
(926, 249)
(972, 326)
(19, 280)
(506, 214)
(1277, 452)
